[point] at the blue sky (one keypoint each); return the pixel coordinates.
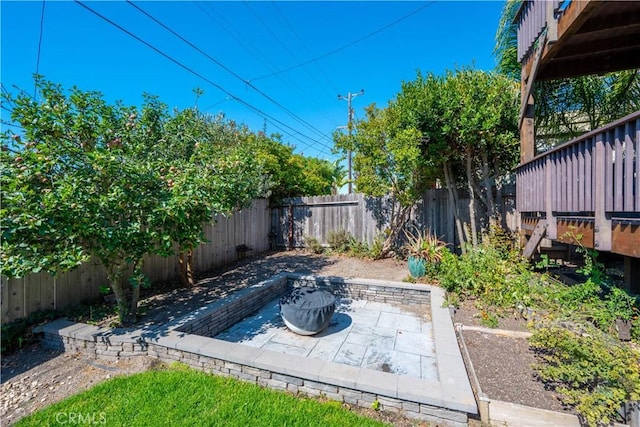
(279, 64)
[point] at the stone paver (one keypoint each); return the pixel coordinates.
(366, 334)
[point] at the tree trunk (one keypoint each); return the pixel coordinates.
(488, 189)
(186, 268)
(499, 198)
(472, 199)
(453, 203)
(114, 276)
(136, 282)
(399, 218)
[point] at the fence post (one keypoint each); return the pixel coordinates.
(290, 240)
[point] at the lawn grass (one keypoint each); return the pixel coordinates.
(181, 396)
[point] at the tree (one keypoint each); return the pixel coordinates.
(467, 120)
(114, 183)
(77, 186)
(291, 175)
(209, 170)
(387, 160)
(460, 126)
(338, 176)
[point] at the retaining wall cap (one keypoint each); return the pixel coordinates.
(382, 383)
(53, 327)
(420, 391)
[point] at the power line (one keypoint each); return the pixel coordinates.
(227, 69)
(190, 70)
(304, 46)
(35, 85)
(223, 23)
(379, 30)
(293, 115)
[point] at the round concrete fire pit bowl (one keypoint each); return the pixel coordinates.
(307, 310)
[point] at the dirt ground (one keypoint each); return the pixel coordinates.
(35, 377)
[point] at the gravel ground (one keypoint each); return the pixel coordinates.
(36, 377)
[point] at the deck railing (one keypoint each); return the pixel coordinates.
(533, 17)
(596, 176)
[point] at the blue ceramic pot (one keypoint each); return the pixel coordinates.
(417, 267)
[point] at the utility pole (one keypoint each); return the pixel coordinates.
(349, 97)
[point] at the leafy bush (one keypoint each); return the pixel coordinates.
(18, 333)
(376, 251)
(487, 272)
(594, 372)
(598, 304)
(313, 245)
(359, 249)
(425, 245)
(340, 240)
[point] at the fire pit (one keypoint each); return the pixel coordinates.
(307, 310)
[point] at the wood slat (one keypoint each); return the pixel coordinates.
(629, 159)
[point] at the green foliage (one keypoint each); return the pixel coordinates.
(490, 272)
(359, 249)
(506, 48)
(574, 333)
(18, 333)
(291, 175)
(377, 247)
(388, 161)
(340, 241)
(594, 372)
(313, 245)
(90, 179)
(425, 245)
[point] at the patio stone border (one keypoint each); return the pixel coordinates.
(447, 401)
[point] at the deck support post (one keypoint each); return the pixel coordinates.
(552, 225)
(632, 274)
(602, 225)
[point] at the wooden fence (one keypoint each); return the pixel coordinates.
(365, 217)
(249, 227)
(260, 228)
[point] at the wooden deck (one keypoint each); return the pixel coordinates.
(589, 186)
(584, 37)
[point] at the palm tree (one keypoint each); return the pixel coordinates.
(338, 176)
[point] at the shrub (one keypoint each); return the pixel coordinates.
(425, 245)
(594, 372)
(498, 277)
(313, 244)
(376, 250)
(340, 240)
(19, 333)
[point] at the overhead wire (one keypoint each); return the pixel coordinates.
(284, 45)
(348, 45)
(192, 71)
(230, 71)
(35, 85)
(227, 27)
(304, 46)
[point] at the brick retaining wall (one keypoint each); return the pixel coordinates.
(186, 341)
